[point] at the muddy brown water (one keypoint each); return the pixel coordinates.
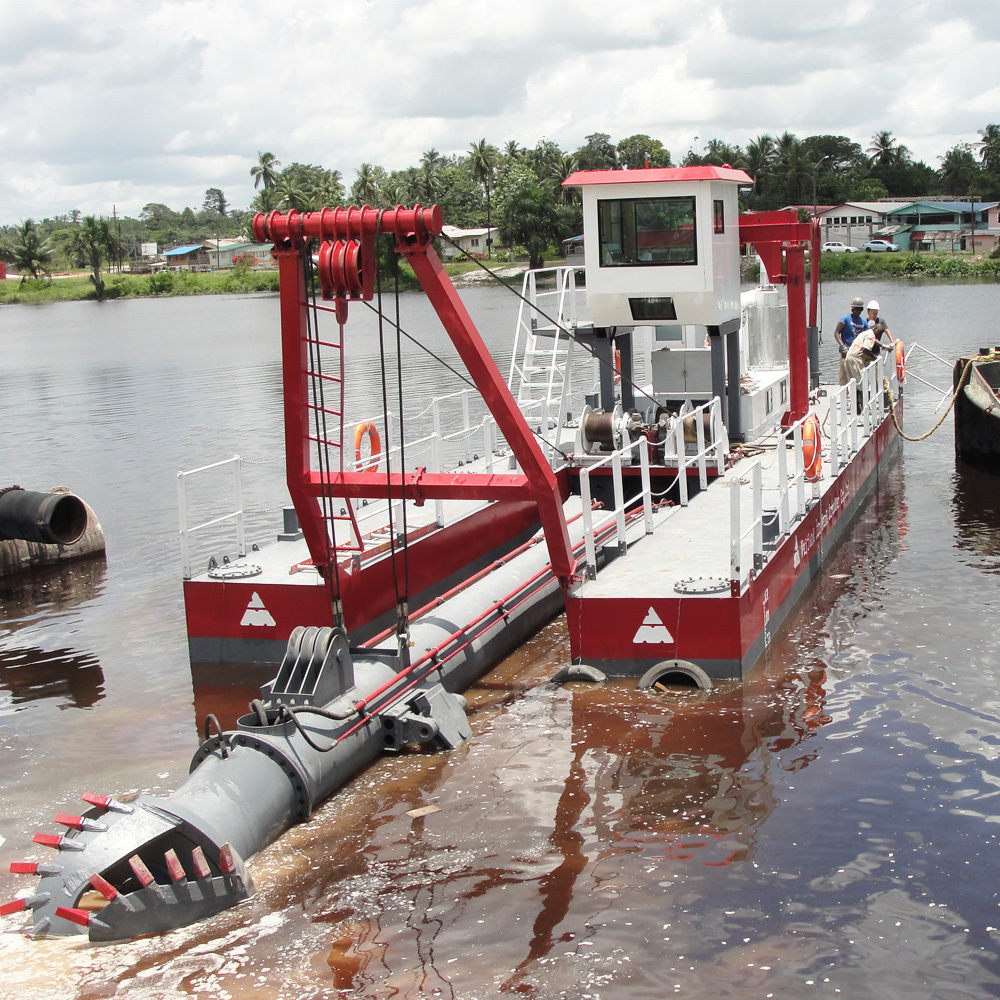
(828, 826)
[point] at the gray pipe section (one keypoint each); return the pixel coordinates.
(249, 785)
(49, 518)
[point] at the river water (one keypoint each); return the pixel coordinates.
(827, 827)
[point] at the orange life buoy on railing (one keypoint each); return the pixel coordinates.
(374, 446)
(812, 448)
(900, 362)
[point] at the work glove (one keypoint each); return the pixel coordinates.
(843, 351)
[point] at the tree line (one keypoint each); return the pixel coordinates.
(519, 190)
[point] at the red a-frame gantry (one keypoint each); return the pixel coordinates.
(347, 272)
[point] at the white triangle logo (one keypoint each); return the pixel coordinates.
(653, 630)
(256, 613)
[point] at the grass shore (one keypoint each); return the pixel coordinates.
(236, 281)
(245, 280)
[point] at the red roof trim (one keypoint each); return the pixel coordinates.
(584, 178)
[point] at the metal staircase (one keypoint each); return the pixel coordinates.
(541, 362)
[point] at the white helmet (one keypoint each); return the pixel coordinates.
(873, 305)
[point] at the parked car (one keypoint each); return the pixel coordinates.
(835, 246)
(880, 246)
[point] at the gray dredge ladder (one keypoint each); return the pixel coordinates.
(541, 361)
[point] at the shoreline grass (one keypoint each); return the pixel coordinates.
(244, 280)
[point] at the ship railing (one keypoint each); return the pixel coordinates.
(238, 515)
(843, 426)
(705, 453)
(594, 525)
(856, 409)
(945, 393)
(741, 569)
(793, 485)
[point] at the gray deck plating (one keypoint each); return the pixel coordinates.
(694, 541)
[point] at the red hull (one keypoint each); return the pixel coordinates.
(725, 635)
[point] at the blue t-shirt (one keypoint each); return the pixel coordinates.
(853, 325)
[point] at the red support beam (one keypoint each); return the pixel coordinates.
(294, 367)
(349, 275)
(798, 354)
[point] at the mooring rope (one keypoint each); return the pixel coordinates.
(989, 356)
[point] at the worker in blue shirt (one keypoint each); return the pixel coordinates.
(848, 327)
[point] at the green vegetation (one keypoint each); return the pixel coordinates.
(516, 189)
(904, 265)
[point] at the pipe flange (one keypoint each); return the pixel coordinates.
(234, 571)
(702, 585)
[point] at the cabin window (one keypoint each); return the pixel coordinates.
(635, 232)
(719, 216)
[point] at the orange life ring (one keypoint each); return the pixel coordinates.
(900, 362)
(374, 445)
(812, 448)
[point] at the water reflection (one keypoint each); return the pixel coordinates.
(976, 508)
(43, 593)
(32, 674)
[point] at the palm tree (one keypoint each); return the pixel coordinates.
(290, 194)
(28, 252)
(557, 172)
(511, 149)
(266, 170)
(483, 159)
(365, 189)
(431, 164)
(886, 151)
(760, 157)
(989, 148)
(91, 243)
(958, 169)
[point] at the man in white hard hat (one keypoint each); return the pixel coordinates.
(874, 320)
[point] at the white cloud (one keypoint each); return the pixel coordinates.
(105, 105)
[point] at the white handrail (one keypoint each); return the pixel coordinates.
(185, 531)
(685, 461)
(617, 516)
(756, 528)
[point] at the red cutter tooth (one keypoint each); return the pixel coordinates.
(226, 860)
(104, 802)
(81, 917)
(140, 871)
(28, 902)
(174, 866)
(200, 863)
(48, 839)
(23, 868)
(103, 886)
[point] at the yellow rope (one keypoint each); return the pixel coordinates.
(989, 356)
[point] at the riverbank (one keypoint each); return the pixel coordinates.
(246, 280)
(236, 281)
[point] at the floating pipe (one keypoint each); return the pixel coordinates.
(49, 518)
(154, 864)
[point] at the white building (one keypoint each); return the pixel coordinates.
(472, 241)
(855, 222)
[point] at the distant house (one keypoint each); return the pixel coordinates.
(231, 252)
(856, 222)
(945, 225)
(472, 241)
(188, 258)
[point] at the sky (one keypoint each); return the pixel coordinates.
(107, 106)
